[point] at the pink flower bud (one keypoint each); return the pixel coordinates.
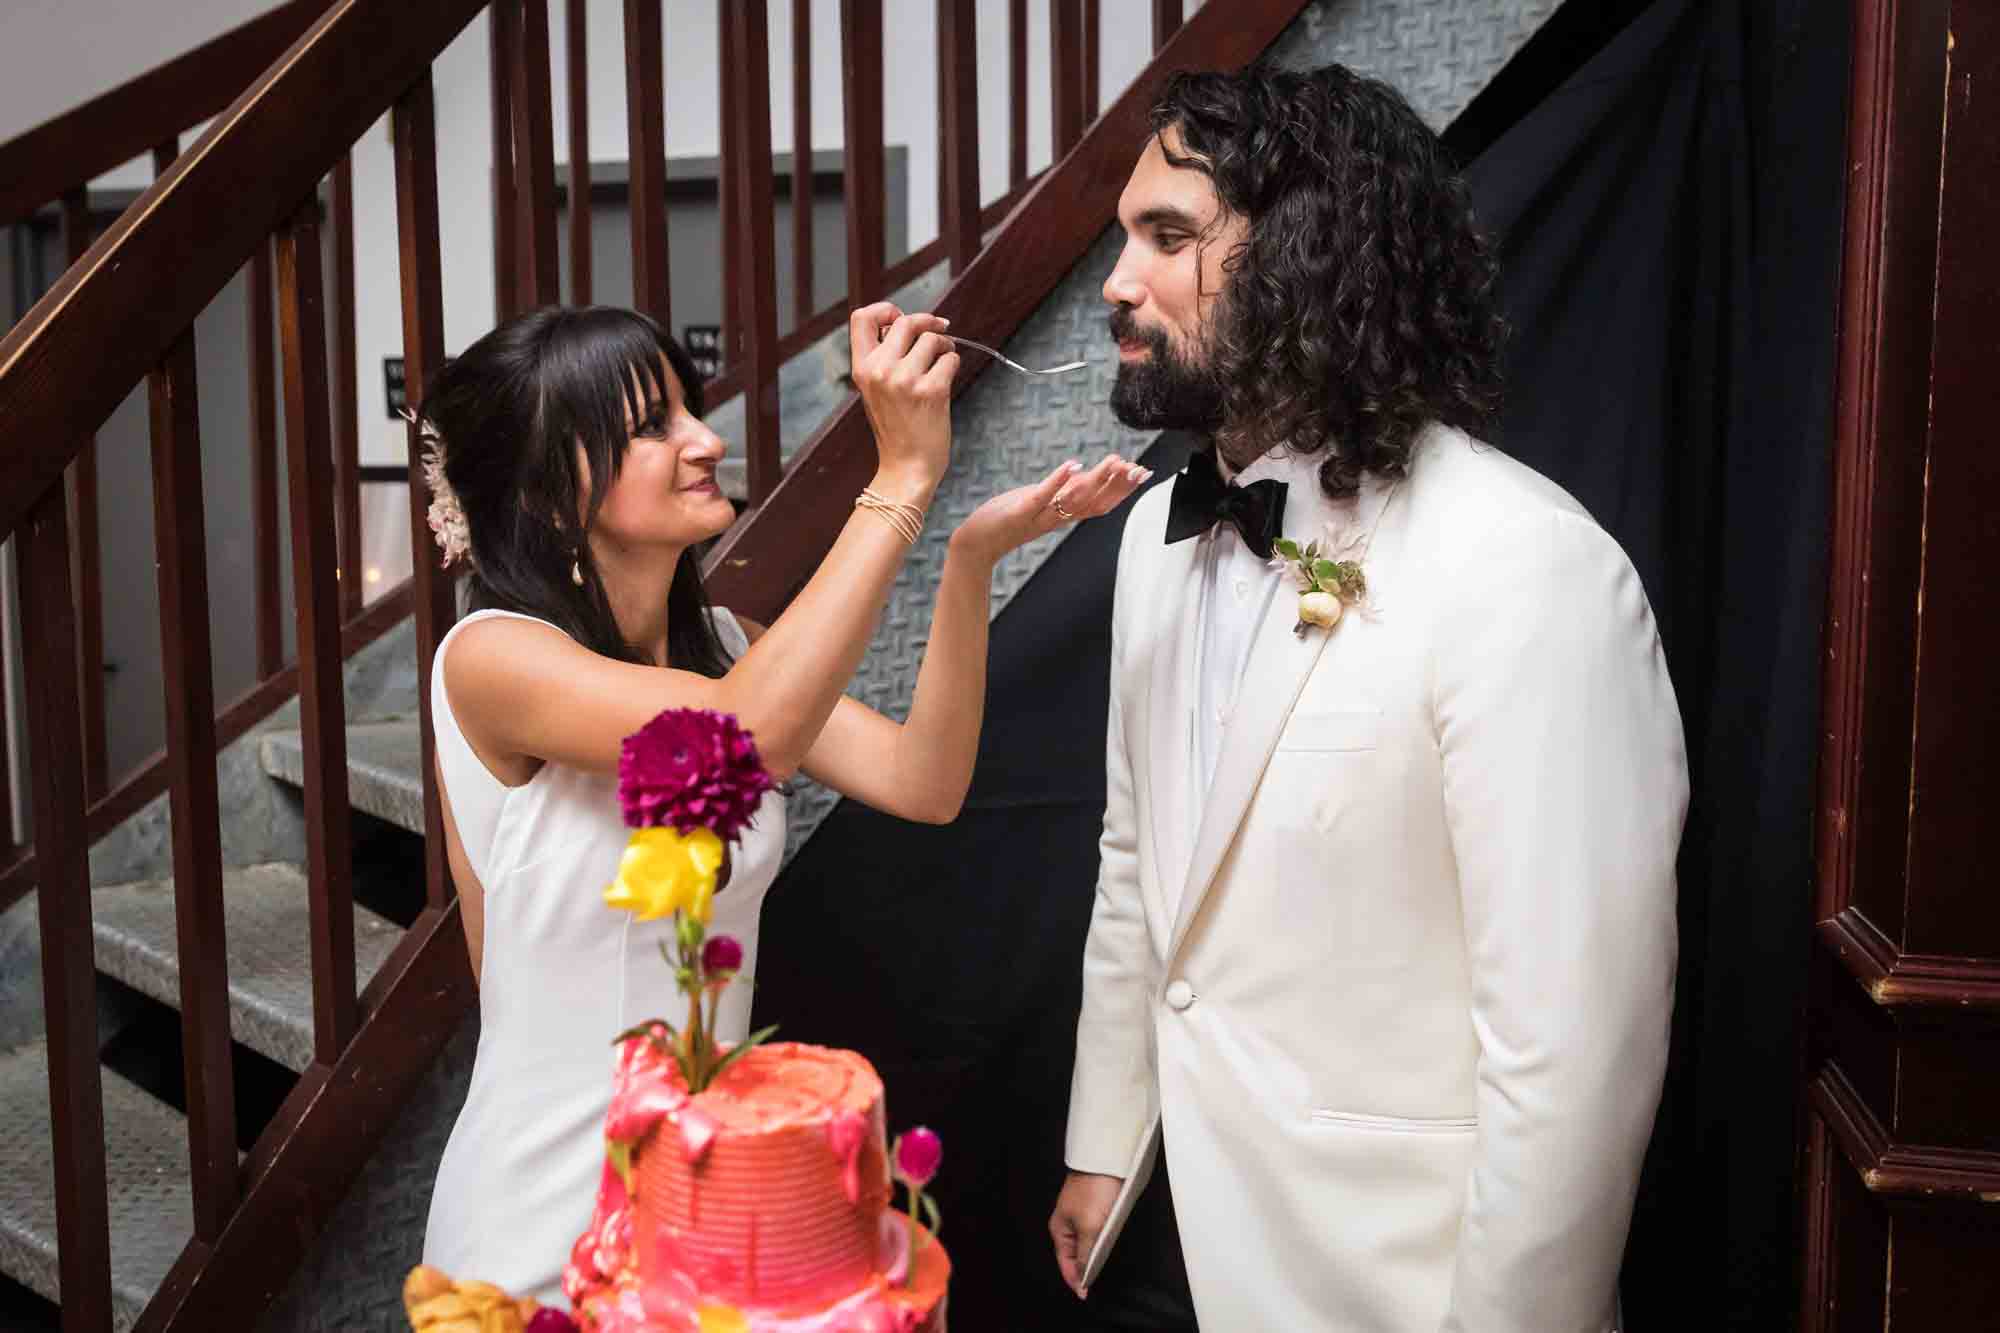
(551, 1320)
(721, 954)
(917, 1156)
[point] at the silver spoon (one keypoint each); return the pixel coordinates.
(1062, 369)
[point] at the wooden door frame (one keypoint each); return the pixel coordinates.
(1901, 1149)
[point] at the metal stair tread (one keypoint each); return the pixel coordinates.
(384, 767)
(146, 1172)
(266, 915)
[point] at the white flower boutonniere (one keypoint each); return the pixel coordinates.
(1326, 587)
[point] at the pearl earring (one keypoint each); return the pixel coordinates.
(576, 572)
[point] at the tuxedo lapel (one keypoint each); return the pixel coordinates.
(1170, 690)
(1280, 663)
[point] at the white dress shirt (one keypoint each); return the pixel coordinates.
(1237, 591)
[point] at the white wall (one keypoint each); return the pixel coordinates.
(57, 53)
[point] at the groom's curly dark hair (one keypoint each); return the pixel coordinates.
(1363, 304)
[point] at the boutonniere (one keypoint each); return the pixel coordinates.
(1326, 587)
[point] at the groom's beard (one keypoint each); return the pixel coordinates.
(1165, 391)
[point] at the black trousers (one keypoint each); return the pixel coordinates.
(1144, 1285)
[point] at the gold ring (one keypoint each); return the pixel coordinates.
(1056, 504)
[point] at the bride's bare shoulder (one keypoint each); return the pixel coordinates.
(501, 655)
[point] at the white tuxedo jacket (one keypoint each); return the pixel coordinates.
(1399, 1000)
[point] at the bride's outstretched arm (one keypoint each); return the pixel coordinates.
(920, 769)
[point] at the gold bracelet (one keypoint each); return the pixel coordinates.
(906, 519)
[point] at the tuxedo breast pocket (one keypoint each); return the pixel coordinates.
(1331, 732)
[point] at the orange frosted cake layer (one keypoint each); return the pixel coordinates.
(776, 1211)
(760, 1204)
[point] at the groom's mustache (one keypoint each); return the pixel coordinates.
(1125, 328)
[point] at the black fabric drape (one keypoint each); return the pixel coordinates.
(1670, 229)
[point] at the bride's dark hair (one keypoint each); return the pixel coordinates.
(511, 411)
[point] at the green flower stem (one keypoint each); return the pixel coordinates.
(694, 1042)
(910, 1269)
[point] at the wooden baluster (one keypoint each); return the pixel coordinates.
(1166, 21)
(803, 305)
(181, 545)
(729, 222)
(1065, 74)
(309, 468)
(534, 141)
(7, 841)
(503, 32)
(861, 101)
(62, 874)
(88, 556)
(264, 464)
(346, 392)
(423, 351)
(1093, 29)
(755, 215)
(1017, 93)
(579, 151)
(646, 129)
(958, 114)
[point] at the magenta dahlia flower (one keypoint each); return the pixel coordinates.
(691, 768)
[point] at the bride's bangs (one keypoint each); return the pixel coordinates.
(606, 379)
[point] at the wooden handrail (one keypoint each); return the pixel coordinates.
(78, 146)
(761, 561)
(168, 255)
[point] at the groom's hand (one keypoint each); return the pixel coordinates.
(1081, 1211)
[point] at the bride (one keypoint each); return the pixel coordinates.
(577, 475)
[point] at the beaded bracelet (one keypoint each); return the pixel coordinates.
(906, 519)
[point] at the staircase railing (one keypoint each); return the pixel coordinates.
(54, 164)
(774, 547)
(252, 182)
(252, 176)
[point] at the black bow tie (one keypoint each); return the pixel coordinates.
(1201, 499)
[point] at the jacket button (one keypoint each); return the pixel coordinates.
(1180, 995)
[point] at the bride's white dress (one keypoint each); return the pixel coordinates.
(562, 974)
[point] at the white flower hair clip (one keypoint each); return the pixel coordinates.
(445, 515)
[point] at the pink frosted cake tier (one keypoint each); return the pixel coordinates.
(759, 1205)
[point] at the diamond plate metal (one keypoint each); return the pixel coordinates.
(385, 767)
(145, 1169)
(1011, 430)
(266, 916)
(1436, 53)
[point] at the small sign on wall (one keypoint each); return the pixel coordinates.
(704, 345)
(392, 386)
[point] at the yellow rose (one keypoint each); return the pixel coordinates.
(663, 870)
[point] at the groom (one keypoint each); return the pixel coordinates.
(1383, 951)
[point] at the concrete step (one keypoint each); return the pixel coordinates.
(384, 768)
(266, 918)
(145, 1169)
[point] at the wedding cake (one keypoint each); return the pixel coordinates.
(761, 1203)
